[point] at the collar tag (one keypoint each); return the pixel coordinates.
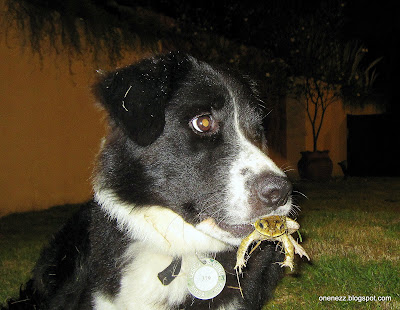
(206, 279)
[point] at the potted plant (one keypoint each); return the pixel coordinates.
(327, 72)
(315, 96)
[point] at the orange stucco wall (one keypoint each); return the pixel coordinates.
(50, 127)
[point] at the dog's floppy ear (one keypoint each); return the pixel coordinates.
(136, 96)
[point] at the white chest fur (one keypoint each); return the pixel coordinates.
(140, 286)
(158, 235)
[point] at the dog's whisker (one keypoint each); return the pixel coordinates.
(297, 207)
(302, 194)
(287, 167)
(205, 211)
(212, 206)
(293, 212)
(222, 220)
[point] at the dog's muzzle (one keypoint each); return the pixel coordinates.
(273, 190)
(268, 193)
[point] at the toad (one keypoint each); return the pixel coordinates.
(272, 228)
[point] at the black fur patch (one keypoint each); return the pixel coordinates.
(136, 96)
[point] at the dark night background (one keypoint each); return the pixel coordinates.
(267, 27)
(372, 140)
(376, 23)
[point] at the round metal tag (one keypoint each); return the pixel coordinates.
(206, 279)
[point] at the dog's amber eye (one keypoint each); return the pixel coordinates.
(203, 123)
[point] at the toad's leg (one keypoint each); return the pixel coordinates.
(289, 251)
(240, 260)
(298, 248)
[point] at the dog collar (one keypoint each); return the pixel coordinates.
(171, 272)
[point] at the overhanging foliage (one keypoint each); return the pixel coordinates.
(81, 26)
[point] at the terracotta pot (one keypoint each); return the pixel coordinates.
(315, 166)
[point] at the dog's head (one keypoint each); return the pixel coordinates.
(189, 137)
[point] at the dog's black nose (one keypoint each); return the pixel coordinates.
(274, 190)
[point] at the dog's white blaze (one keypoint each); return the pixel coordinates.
(250, 158)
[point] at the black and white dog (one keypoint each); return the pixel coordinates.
(181, 177)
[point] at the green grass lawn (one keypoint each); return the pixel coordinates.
(350, 229)
(22, 235)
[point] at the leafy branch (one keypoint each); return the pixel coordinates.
(81, 26)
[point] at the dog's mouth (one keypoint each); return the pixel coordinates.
(238, 230)
(225, 231)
